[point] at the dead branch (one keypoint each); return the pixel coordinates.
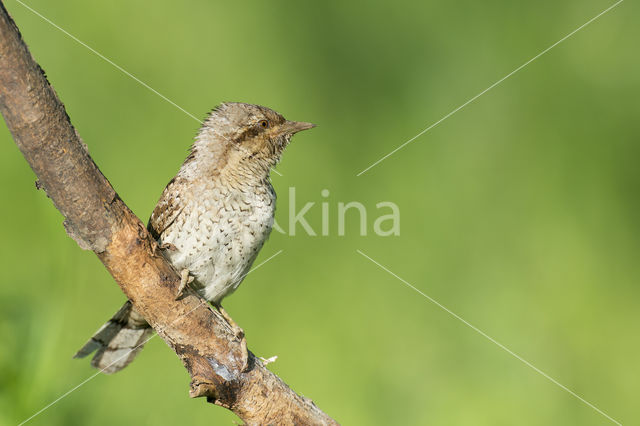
(98, 220)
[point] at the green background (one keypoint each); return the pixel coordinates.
(519, 213)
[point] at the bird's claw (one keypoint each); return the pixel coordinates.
(168, 246)
(185, 279)
(239, 335)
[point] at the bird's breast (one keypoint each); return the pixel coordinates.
(218, 236)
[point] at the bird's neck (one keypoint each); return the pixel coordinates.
(225, 169)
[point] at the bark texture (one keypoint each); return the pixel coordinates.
(98, 220)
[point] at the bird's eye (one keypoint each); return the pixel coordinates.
(263, 123)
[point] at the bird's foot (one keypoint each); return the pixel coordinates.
(164, 246)
(239, 335)
(168, 246)
(185, 279)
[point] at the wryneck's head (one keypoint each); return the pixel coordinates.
(240, 143)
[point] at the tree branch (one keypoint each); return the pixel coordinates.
(98, 220)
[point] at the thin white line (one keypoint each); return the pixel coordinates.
(109, 61)
(136, 347)
(59, 398)
(127, 73)
(491, 339)
(490, 87)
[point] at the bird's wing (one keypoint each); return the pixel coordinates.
(166, 211)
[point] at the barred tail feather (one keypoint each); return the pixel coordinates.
(118, 341)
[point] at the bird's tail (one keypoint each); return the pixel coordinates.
(118, 341)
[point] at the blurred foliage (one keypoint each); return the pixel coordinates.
(519, 213)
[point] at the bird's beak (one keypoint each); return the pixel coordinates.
(292, 127)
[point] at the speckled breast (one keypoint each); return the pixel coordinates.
(218, 235)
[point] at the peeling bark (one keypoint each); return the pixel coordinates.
(98, 220)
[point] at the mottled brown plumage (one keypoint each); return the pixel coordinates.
(212, 218)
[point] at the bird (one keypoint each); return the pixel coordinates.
(211, 221)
